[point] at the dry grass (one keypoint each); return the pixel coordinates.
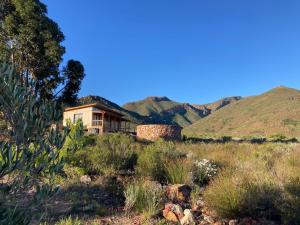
(255, 180)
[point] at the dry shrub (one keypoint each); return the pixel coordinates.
(239, 194)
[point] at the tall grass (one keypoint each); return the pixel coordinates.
(143, 197)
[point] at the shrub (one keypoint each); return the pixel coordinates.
(152, 159)
(143, 197)
(242, 195)
(290, 209)
(203, 171)
(178, 171)
(111, 154)
(278, 138)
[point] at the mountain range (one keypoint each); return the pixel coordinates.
(274, 112)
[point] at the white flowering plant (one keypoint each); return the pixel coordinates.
(203, 171)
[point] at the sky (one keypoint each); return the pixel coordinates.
(194, 51)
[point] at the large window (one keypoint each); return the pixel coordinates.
(77, 116)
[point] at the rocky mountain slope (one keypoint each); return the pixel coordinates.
(274, 112)
(165, 111)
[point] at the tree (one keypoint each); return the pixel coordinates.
(73, 74)
(33, 43)
(32, 149)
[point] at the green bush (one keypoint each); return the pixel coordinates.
(203, 171)
(241, 195)
(110, 154)
(152, 160)
(178, 171)
(143, 197)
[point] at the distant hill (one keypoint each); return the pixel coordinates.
(274, 112)
(165, 111)
(212, 107)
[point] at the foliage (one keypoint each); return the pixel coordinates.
(153, 157)
(178, 171)
(143, 197)
(31, 152)
(74, 74)
(203, 171)
(291, 207)
(111, 154)
(33, 42)
(240, 195)
(74, 140)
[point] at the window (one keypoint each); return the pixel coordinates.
(77, 117)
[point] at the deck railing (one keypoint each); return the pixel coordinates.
(97, 122)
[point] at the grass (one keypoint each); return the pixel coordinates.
(143, 197)
(252, 180)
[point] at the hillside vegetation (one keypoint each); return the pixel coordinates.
(163, 110)
(274, 112)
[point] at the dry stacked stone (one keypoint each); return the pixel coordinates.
(153, 132)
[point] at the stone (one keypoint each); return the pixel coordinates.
(198, 205)
(153, 132)
(208, 219)
(233, 222)
(85, 179)
(188, 218)
(173, 212)
(179, 192)
(170, 216)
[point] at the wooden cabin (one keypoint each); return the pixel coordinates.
(97, 118)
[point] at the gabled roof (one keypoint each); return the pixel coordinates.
(98, 106)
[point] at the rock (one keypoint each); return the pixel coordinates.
(188, 218)
(198, 205)
(173, 212)
(233, 222)
(208, 219)
(85, 179)
(170, 216)
(178, 192)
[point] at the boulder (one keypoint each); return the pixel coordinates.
(85, 179)
(178, 192)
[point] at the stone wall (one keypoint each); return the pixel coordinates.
(153, 132)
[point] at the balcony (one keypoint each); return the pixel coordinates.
(97, 123)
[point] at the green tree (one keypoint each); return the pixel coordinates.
(33, 43)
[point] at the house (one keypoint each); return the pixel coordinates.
(97, 118)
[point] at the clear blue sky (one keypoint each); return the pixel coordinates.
(193, 51)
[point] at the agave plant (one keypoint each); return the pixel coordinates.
(32, 146)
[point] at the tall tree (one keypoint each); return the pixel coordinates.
(33, 43)
(73, 75)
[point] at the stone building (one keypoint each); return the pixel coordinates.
(153, 132)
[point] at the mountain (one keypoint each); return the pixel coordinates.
(165, 111)
(212, 107)
(274, 112)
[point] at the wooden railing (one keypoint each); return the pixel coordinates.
(97, 122)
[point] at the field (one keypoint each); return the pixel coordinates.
(114, 179)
